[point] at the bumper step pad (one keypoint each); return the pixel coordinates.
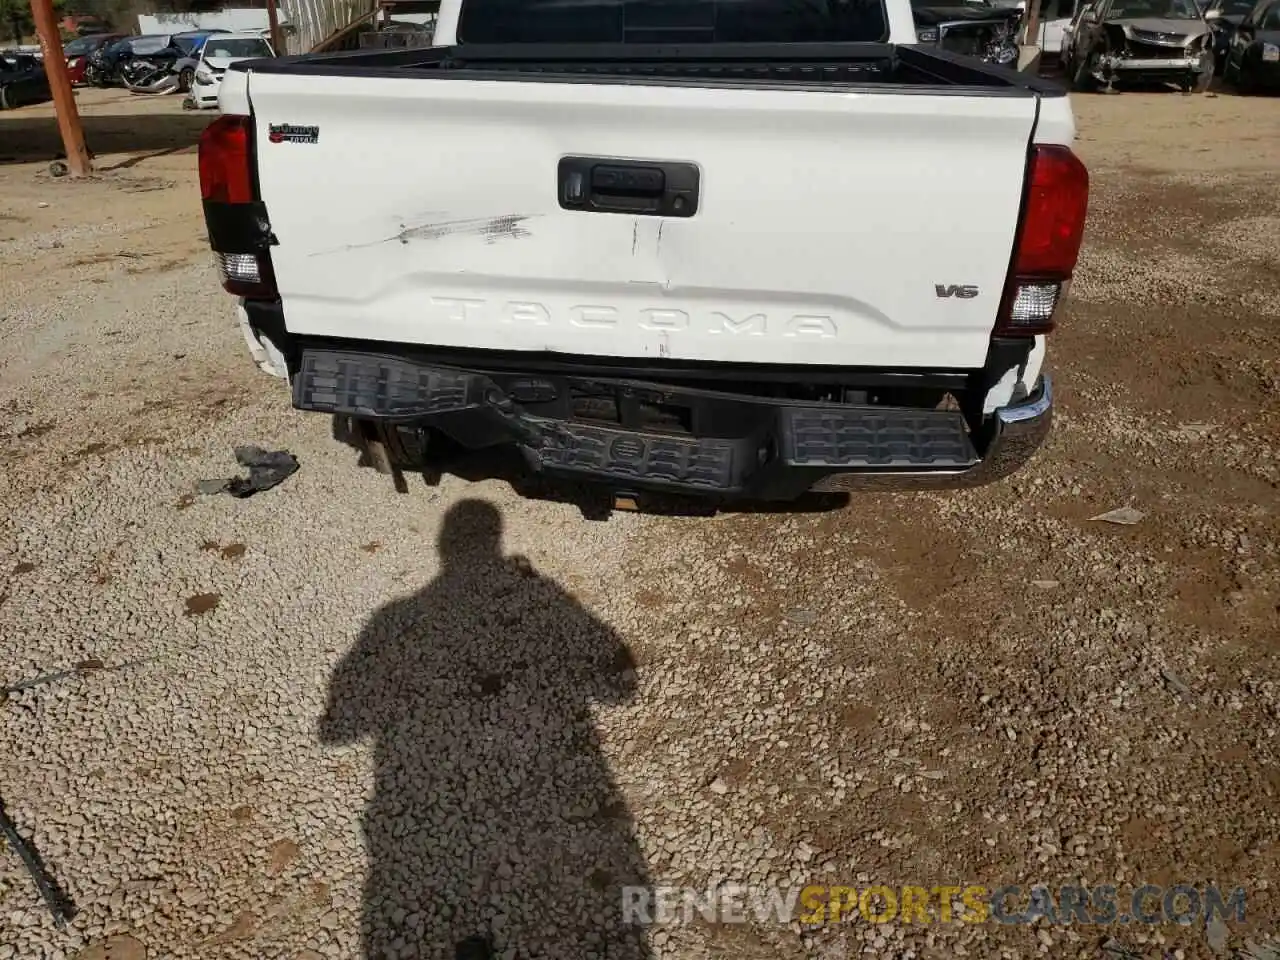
(878, 437)
(707, 464)
(366, 385)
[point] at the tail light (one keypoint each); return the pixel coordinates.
(239, 232)
(1048, 240)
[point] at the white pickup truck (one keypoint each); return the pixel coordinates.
(736, 251)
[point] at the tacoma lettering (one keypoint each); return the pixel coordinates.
(601, 317)
(455, 309)
(664, 320)
(753, 325)
(521, 311)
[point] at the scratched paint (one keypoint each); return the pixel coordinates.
(489, 229)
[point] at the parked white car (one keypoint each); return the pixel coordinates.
(220, 51)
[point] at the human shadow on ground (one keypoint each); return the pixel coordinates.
(496, 828)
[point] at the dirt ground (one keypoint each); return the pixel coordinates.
(273, 727)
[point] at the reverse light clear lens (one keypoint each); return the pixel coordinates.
(1034, 303)
(240, 267)
(927, 35)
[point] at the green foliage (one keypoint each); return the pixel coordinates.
(16, 23)
(15, 20)
(18, 26)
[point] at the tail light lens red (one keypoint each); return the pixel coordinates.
(231, 207)
(1054, 208)
(226, 167)
(1054, 213)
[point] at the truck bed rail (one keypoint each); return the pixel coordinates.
(803, 65)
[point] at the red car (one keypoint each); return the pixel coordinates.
(77, 52)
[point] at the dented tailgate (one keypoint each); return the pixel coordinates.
(860, 227)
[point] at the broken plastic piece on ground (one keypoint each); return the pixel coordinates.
(1216, 934)
(84, 666)
(1195, 430)
(267, 468)
(802, 615)
(1127, 516)
(54, 897)
(1175, 683)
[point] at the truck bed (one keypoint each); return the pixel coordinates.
(811, 66)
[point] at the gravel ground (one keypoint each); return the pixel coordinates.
(336, 721)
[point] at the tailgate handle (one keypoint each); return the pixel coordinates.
(644, 188)
(637, 181)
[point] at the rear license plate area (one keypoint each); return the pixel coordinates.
(628, 407)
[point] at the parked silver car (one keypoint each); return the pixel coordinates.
(1139, 41)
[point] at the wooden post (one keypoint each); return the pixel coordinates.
(64, 101)
(1029, 38)
(273, 21)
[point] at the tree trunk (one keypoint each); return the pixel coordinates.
(1029, 36)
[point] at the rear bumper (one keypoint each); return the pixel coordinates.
(672, 438)
(1171, 64)
(205, 94)
(1141, 69)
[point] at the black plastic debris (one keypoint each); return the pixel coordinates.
(267, 468)
(54, 898)
(80, 669)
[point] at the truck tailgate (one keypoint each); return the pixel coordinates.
(844, 227)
